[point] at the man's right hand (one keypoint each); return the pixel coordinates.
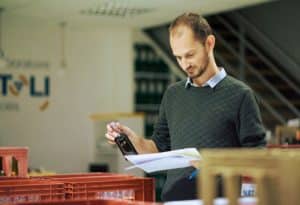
(113, 129)
(141, 145)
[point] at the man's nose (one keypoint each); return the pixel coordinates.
(185, 64)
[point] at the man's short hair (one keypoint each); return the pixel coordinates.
(195, 22)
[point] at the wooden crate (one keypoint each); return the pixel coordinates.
(275, 172)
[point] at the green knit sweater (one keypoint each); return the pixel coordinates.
(204, 117)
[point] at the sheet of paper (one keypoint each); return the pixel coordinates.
(185, 202)
(217, 201)
(164, 160)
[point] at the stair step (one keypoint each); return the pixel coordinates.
(271, 125)
(225, 33)
(269, 118)
(252, 59)
(265, 72)
(275, 102)
(260, 86)
(227, 55)
(222, 49)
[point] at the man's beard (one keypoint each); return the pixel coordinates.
(201, 70)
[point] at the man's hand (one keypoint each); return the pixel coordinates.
(113, 129)
(195, 163)
(141, 145)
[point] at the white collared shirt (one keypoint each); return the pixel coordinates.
(212, 82)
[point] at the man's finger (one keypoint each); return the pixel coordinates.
(117, 127)
(126, 130)
(109, 137)
(195, 163)
(111, 142)
(109, 128)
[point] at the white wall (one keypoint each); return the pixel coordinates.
(98, 78)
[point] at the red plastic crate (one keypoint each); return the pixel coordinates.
(82, 176)
(30, 190)
(131, 189)
(103, 186)
(76, 186)
(76, 175)
(20, 154)
(93, 202)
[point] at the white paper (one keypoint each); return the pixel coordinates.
(217, 201)
(164, 160)
(185, 202)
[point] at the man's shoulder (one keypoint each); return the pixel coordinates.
(177, 85)
(234, 84)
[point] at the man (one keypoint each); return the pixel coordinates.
(207, 110)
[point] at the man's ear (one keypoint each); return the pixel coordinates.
(210, 43)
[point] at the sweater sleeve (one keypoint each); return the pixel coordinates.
(161, 136)
(250, 127)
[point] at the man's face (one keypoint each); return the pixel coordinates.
(189, 52)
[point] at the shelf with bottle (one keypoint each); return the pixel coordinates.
(147, 60)
(147, 108)
(151, 75)
(149, 91)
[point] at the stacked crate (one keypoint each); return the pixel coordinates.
(76, 187)
(13, 191)
(93, 202)
(248, 185)
(18, 153)
(274, 171)
(67, 187)
(106, 186)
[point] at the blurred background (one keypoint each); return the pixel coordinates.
(67, 67)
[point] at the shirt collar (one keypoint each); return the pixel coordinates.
(212, 82)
